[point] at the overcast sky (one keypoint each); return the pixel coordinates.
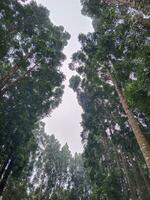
(65, 120)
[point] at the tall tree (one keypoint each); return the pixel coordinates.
(30, 78)
(114, 42)
(50, 173)
(109, 62)
(109, 142)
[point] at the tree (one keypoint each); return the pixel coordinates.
(58, 174)
(109, 45)
(109, 144)
(30, 78)
(34, 42)
(108, 62)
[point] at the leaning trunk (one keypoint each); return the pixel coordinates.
(141, 140)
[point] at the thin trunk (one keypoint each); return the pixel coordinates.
(140, 178)
(7, 172)
(5, 163)
(141, 140)
(130, 182)
(107, 151)
(136, 175)
(145, 179)
(119, 162)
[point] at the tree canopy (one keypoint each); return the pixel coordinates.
(30, 78)
(110, 65)
(112, 84)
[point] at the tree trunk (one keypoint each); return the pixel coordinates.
(129, 179)
(140, 186)
(145, 179)
(5, 177)
(5, 163)
(141, 140)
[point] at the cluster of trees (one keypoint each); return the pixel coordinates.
(112, 87)
(30, 80)
(50, 173)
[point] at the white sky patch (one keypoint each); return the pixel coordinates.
(120, 21)
(65, 120)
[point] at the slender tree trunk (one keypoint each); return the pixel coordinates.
(130, 182)
(5, 177)
(5, 163)
(142, 180)
(145, 179)
(141, 140)
(124, 185)
(140, 186)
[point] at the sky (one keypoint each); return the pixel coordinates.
(64, 121)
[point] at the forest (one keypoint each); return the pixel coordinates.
(112, 85)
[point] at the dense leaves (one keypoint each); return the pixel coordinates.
(30, 78)
(114, 55)
(51, 172)
(112, 86)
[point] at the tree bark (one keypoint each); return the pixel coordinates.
(141, 140)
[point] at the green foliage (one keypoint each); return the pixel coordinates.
(74, 82)
(33, 165)
(110, 147)
(108, 189)
(50, 173)
(30, 78)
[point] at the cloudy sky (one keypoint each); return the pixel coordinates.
(64, 122)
